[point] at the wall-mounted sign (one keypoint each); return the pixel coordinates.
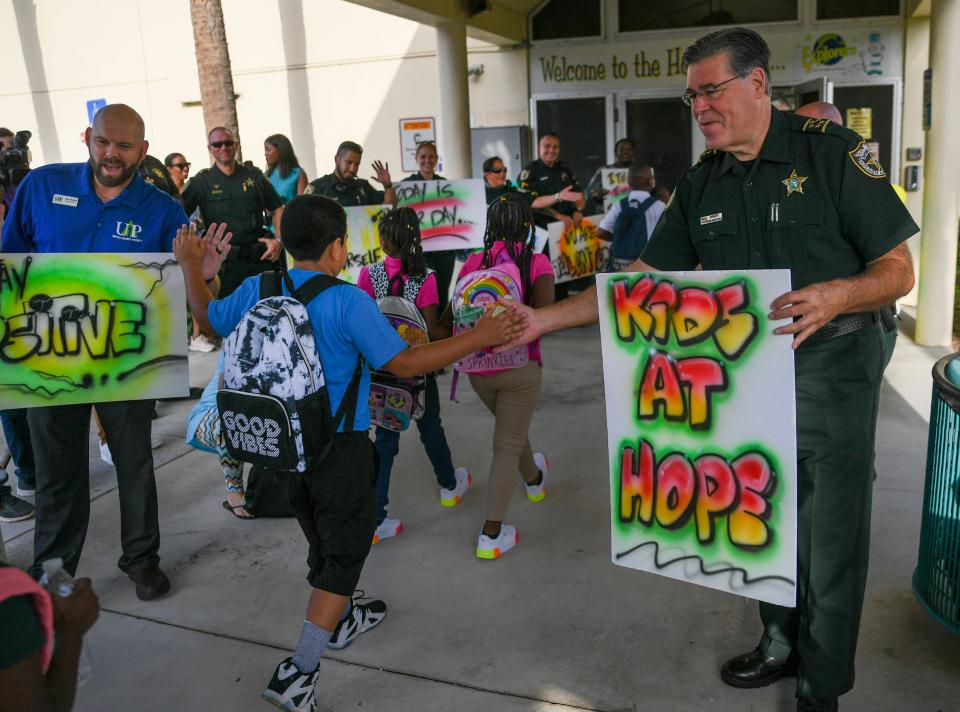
(412, 133)
(861, 120)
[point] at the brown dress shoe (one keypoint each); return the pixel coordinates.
(754, 669)
(151, 583)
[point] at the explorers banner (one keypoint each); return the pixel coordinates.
(453, 213)
(576, 251)
(701, 429)
(90, 328)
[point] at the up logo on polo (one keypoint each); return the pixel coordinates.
(128, 231)
(252, 434)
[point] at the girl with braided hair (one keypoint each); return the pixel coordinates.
(402, 273)
(511, 395)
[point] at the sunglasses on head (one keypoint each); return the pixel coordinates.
(220, 144)
(497, 170)
(181, 166)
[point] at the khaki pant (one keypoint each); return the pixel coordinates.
(512, 397)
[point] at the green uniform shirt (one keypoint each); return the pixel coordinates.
(239, 200)
(537, 179)
(814, 201)
(355, 191)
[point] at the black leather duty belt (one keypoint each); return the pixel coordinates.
(841, 326)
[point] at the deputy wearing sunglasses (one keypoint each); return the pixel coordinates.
(238, 195)
(497, 185)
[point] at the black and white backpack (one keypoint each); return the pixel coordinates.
(395, 401)
(273, 400)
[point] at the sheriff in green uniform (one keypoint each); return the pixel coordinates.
(782, 191)
(238, 195)
(343, 185)
(546, 178)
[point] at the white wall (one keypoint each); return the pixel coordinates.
(319, 71)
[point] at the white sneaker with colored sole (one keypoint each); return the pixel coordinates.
(537, 493)
(452, 497)
(495, 547)
(388, 529)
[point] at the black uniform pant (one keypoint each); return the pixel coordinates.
(838, 388)
(233, 273)
(61, 448)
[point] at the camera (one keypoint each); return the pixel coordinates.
(14, 161)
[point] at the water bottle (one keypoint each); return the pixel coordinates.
(60, 583)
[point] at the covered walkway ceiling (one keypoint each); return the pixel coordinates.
(504, 24)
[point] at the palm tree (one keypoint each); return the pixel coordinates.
(217, 97)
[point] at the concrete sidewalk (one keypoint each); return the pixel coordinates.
(553, 625)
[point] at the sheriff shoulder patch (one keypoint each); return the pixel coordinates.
(863, 159)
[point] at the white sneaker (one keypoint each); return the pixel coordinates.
(536, 493)
(290, 689)
(388, 529)
(493, 548)
(105, 453)
(452, 497)
(25, 492)
(201, 343)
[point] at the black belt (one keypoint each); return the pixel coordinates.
(841, 326)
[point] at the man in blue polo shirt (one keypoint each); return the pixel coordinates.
(99, 206)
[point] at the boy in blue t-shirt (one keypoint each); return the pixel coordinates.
(336, 503)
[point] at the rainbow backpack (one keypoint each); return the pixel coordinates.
(471, 296)
(395, 401)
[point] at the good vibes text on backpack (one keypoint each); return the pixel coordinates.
(273, 400)
(395, 401)
(473, 293)
(630, 229)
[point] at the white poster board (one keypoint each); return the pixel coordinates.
(576, 251)
(412, 133)
(701, 429)
(616, 187)
(453, 213)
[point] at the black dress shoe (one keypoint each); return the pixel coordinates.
(150, 583)
(810, 704)
(754, 669)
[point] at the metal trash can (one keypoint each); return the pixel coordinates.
(936, 580)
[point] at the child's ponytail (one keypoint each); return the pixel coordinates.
(510, 220)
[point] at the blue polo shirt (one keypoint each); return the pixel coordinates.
(57, 210)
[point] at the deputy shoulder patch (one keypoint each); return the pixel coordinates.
(863, 159)
(816, 125)
(524, 174)
(310, 189)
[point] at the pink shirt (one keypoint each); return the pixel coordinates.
(428, 295)
(539, 266)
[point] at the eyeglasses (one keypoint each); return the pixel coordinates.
(181, 166)
(497, 170)
(707, 91)
(221, 144)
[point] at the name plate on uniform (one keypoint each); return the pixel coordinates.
(701, 429)
(91, 328)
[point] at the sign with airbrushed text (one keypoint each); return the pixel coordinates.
(91, 328)
(363, 240)
(701, 429)
(453, 213)
(576, 251)
(616, 187)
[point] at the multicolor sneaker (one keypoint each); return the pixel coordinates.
(537, 493)
(387, 529)
(362, 617)
(290, 689)
(495, 547)
(452, 497)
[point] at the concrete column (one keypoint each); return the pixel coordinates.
(941, 202)
(454, 135)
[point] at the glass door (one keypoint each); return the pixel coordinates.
(662, 130)
(584, 126)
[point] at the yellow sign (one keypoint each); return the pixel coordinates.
(861, 121)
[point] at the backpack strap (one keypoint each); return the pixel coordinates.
(347, 410)
(378, 278)
(271, 284)
(312, 287)
(645, 205)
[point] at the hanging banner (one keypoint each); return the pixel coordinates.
(615, 186)
(453, 213)
(91, 328)
(576, 251)
(701, 429)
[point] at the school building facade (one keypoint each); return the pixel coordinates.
(485, 76)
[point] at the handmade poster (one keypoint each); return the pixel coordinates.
(701, 429)
(363, 240)
(91, 328)
(615, 185)
(453, 213)
(540, 237)
(576, 251)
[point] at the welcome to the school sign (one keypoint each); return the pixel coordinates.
(89, 328)
(701, 429)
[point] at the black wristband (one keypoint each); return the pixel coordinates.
(387, 186)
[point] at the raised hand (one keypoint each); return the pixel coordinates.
(217, 246)
(382, 173)
(189, 248)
